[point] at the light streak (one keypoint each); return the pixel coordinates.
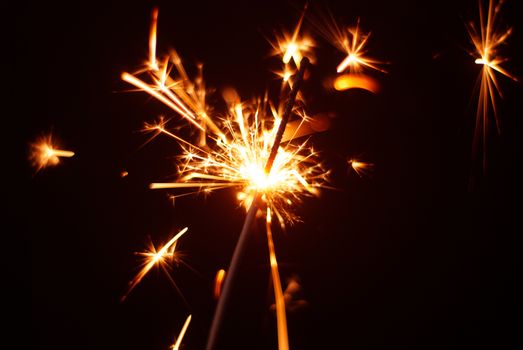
(281, 318)
(178, 342)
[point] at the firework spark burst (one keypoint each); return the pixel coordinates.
(241, 149)
(44, 153)
(487, 40)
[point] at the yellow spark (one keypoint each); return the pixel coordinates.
(232, 149)
(281, 318)
(178, 342)
(487, 40)
(154, 257)
(293, 46)
(44, 153)
(361, 168)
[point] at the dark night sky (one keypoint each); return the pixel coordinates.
(411, 258)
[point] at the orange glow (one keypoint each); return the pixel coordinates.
(45, 154)
(218, 280)
(153, 257)
(356, 81)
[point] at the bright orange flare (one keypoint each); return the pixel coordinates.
(356, 81)
(154, 257)
(45, 154)
(281, 318)
(487, 40)
(178, 342)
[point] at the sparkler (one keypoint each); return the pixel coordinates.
(244, 153)
(487, 41)
(44, 153)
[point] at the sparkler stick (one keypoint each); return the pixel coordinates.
(251, 214)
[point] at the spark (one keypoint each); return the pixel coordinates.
(155, 257)
(361, 168)
(293, 47)
(178, 342)
(232, 149)
(487, 41)
(44, 153)
(352, 41)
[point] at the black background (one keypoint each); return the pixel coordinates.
(421, 255)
